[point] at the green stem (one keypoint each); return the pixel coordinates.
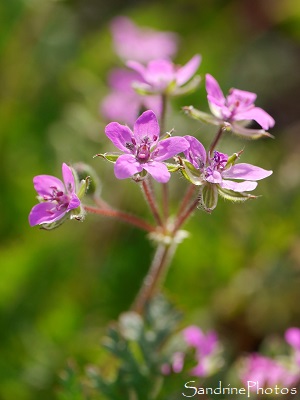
(130, 219)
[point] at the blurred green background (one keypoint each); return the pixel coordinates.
(238, 272)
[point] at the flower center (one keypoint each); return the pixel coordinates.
(143, 152)
(60, 198)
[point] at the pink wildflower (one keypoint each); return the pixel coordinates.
(238, 106)
(57, 198)
(142, 148)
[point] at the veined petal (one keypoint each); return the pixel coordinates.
(44, 184)
(45, 213)
(68, 178)
(257, 114)
(119, 135)
(168, 148)
(146, 126)
(158, 170)
(246, 171)
(238, 186)
(186, 72)
(240, 97)
(196, 153)
(126, 166)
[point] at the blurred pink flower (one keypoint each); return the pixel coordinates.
(267, 372)
(292, 337)
(162, 76)
(123, 103)
(205, 345)
(141, 44)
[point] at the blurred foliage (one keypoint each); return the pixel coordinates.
(240, 269)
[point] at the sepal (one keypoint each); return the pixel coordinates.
(232, 159)
(111, 157)
(208, 197)
(190, 172)
(201, 116)
(235, 196)
(89, 180)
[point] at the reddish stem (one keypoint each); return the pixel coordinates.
(130, 219)
(151, 200)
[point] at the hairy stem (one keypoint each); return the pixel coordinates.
(186, 213)
(185, 201)
(130, 219)
(149, 195)
(155, 276)
(165, 201)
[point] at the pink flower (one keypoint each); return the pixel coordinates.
(141, 44)
(220, 172)
(292, 337)
(267, 372)
(142, 148)
(115, 104)
(57, 198)
(163, 77)
(206, 346)
(236, 107)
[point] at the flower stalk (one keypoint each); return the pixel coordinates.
(121, 215)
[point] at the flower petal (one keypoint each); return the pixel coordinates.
(44, 184)
(248, 133)
(126, 166)
(196, 153)
(44, 213)
(68, 178)
(119, 135)
(186, 72)
(158, 170)
(214, 91)
(247, 172)
(238, 186)
(114, 107)
(168, 148)
(146, 126)
(240, 98)
(74, 202)
(138, 67)
(257, 114)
